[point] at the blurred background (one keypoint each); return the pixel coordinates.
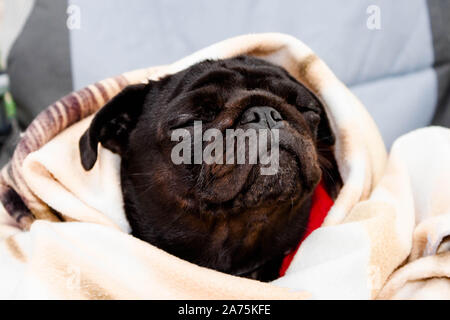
(394, 55)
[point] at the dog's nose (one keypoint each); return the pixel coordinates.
(262, 117)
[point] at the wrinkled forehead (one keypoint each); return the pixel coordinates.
(211, 83)
(238, 71)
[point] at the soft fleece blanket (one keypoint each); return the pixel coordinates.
(63, 232)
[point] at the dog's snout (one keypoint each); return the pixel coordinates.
(262, 117)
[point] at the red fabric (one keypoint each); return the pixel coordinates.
(320, 205)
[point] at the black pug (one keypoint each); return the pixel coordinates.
(221, 216)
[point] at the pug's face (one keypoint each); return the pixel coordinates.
(224, 216)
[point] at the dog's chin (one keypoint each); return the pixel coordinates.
(244, 187)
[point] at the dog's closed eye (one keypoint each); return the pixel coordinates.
(313, 120)
(182, 121)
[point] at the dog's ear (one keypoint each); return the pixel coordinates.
(112, 124)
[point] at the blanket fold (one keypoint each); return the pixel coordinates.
(64, 234)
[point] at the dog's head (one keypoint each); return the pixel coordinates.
(225, 216)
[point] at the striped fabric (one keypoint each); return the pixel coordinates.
(53, 120)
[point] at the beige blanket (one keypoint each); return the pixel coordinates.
(63, 232)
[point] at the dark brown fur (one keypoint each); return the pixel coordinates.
(225, 217)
